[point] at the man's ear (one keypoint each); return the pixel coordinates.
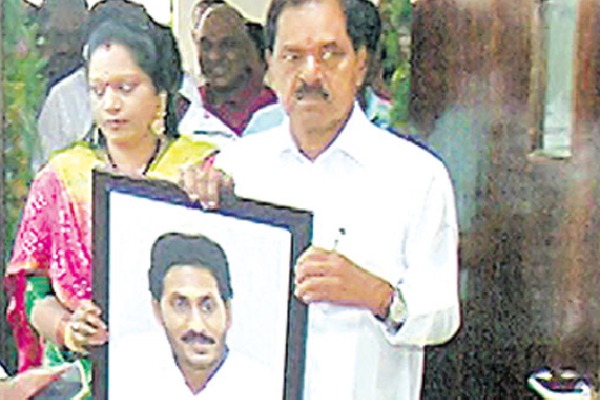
(362, 62)
(157, 311)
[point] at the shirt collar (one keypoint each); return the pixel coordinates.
(350, 141)
(237, 110)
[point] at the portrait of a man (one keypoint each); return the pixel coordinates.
(191, 294)
(188, 313)
(190, 285)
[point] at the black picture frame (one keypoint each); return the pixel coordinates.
(112, 192)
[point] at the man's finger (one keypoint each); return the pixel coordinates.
(317, 288)
(310, 269)
(312, 252)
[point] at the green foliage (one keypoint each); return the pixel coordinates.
(24, 86)
(397, 25)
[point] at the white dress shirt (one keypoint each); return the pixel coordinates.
(389, 206)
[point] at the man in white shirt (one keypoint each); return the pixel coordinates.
(191, 293)
(381, 275)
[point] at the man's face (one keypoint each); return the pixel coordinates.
(224, 49)
(314, 68)
(195, 317)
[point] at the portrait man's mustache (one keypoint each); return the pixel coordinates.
(193, 337)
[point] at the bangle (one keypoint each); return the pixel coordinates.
(61, 329)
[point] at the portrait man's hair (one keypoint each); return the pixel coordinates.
(177, 249)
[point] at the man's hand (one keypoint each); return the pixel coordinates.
(28, 383)
(323, 275)
(205, 183)
(85, 327)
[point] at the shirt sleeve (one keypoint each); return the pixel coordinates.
(430, 284)
(50, 132)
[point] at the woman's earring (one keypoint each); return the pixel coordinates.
(157, 126)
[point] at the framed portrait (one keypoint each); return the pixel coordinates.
(167, 333)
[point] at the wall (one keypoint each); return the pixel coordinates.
(529, 237)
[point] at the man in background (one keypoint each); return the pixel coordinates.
(62, 34)
(233, 72)
(65, 113)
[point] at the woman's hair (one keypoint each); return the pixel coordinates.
(152, 46)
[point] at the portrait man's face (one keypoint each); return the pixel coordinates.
(313, 67)
(225, 50)
(195, 317)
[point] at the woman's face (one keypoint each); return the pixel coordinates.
(124, 101)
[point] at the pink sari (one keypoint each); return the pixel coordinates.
(54, 240)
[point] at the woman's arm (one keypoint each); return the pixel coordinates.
(47, 316)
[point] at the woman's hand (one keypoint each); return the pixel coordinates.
(85, 327)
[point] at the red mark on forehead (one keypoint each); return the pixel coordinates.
(107, 46)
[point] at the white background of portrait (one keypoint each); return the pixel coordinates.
(259, 260)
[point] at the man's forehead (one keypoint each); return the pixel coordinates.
(189, 276)
(222, 20)
(296, 5)
(329, 12)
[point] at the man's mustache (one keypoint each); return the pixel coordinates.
(193, 337)
(311, 90)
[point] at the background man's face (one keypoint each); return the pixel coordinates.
(194, 316)
(314, 68)
(225, 50)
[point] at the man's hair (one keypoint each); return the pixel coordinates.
(257, 34)
(48, 7)
(176, 249)
(202, 4)
(218, 7)
(152, 46)
(372, 24)
(363, 26)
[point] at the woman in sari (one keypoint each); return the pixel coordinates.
(133, 69)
